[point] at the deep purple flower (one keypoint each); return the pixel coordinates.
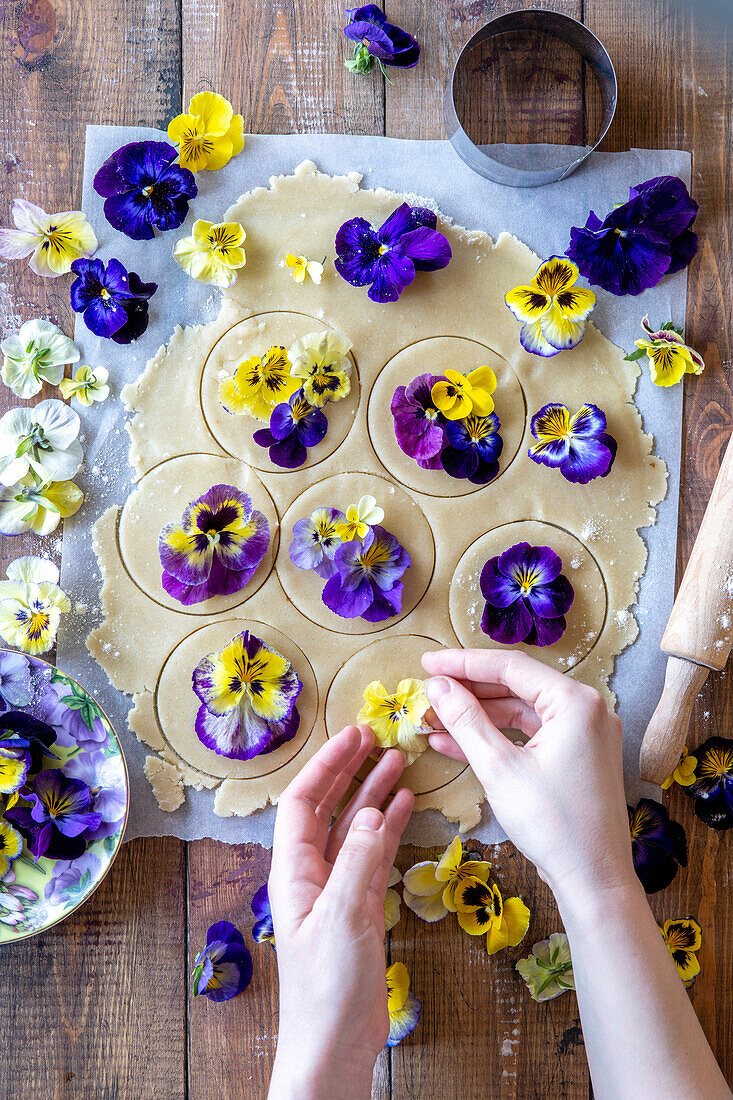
(71, 880)
(388, 257)
(658, 844)
(144, 190)
(379, 40)
(57, 819)
(577, 445)
(712, 788)
(216, 547)
(526, 596)
(367, 580)
(16, 688)
(639, 242)
(22, 733)
(473, 448)
(263, 930)
(418, 425)
(295, 425)
(113, 302)
(224, 967)
(315, 541)
(105, 777)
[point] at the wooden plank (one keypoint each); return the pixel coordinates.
(97, 1004)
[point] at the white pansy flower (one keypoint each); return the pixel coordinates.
(31, 604)
(36, 354)
(88, 385)
(41, 439)
(53, 241)
(34, 505)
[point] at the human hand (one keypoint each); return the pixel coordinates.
(327, 888)
(559, 798)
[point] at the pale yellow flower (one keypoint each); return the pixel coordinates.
(303, 268)
(321, 360)
(87, 386)
(209, 135)
(31, 604)
(359, 518)
(53, 241)
(429, 888)
(213, 253)
(397, 718)
(392, 902)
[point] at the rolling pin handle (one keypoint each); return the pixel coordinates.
(667, 732)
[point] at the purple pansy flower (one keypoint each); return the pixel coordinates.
(387, 258)
(216, 547)
(578, 445)
(378, 40)
(144, 190)
(16, 687)
(105, 777)
(23, 733)
(418, 425)
(526, 596)
(295, 425)
(712, 787)
(112, 301)
(473, 448)
(367, 581)
(639, 242)
(263, 930)
(315, 541)
(224, 967)
(57, 819)
(658, 844)
(71, 879)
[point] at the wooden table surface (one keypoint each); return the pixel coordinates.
(98, 1008)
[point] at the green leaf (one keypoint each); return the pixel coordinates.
(196, 978)
(634, 355)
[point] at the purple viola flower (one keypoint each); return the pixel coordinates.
(473, 448)
(263, 930)
(22, 733)
(658, 844)
(378, 41)
(315, 541)
(367, 582)
(639, 242)
(295, 425)
(387, 258)
(224, 967)
(418, 424)
(112, 301)
(526, 596)
(71, 879)
(712, 787)
(59, 815)
(105, 777)
(216, 547)
(144, 190)
(578, 445)
(16, 687)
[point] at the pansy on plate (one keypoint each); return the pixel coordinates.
(658, 844)
(248, 693)
(216, 547)
(527, 596)
(552, 309)
(447, 422)
(577, 444)
(397, 717)
(363, 563)
(711, 787)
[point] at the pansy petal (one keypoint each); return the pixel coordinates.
(429, 907)
(533, 341)
(428, 249)
(527, 303)
(576, 304)
(559, 332)
(421, 879)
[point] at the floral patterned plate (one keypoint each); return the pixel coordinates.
(34, 895)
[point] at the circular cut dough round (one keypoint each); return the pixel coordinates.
(434, 355)
(161, 497)
(176, 703)
(389, 660)
(402, 517)
(253, 337)
(586, 617)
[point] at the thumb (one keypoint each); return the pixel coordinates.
(466, 720)
(358, 861)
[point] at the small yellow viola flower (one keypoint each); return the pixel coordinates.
(87, 386)
(683, 937)
(31, 604)
(670, 359)
(321, 361)
(213, 253)
(429, 888)
(303, 268)
(53, 241)
(359, 518)
(482, 911)
(684, 773)
(397, 718)
(553, 310)
(403, 1006)
(259, 384)
(209, 135)
(392, 902)
(11, 842)
(458, 395)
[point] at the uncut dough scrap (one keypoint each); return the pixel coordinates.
(454, 317)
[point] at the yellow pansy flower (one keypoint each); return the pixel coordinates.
(397, 717)
(209, 135)
(53, 241)
(482, 911)
(458, 395)
(359, 518)
(87, 386)
(552, 308)
(11, 842)
(429, 888)
(683, 937)
(13, 769)
(213, 253)
(403, 1006)
(259, 384)
(684, 773)
(670, 359)
(321, 361)
(303, 268)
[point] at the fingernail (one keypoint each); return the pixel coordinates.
(436, 688)
(368, 819)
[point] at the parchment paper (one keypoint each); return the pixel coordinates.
(542, 218)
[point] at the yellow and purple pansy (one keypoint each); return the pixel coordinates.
(576, 444)
(429, 888)
(216, 547)
(60, 817)
(258, 384)
(658, 844)
(472, 448)
(11, 846)
(263, 930)
(527, 596)
(402, 1004)
(31, 604)
(712, 786)
(481, 910)
(367, 583)
(223, 969)
(670, 358)
(552, 309)
(316, 540)
(683, 937)
(295, 427)
(248, 693)
(398, 717)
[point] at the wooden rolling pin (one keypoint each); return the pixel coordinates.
(699, 633)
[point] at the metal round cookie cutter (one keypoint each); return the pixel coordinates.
(519, 164)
